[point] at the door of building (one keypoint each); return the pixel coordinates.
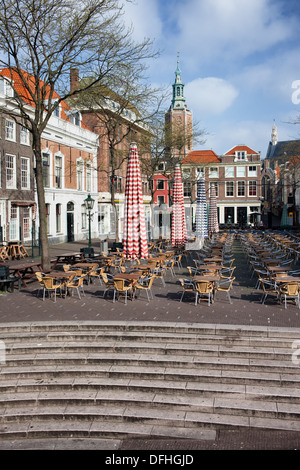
(242, 216)
(70, 222)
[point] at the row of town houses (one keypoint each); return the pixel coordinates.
(250, 190)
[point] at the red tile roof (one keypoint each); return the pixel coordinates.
(201, 156)
(28, 94)
(240, 148)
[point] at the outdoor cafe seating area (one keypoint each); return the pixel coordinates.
(272, 259)
(207, 273)
(198, 276)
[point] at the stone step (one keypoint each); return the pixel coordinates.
(116, 337)
(143, 361)
(136, 423)
(247, 403)
(37, 376)
(100, 380)
(133, 349)
(146, 330)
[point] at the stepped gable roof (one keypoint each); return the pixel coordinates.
(241, 148)
(201, 156)
(26, 93)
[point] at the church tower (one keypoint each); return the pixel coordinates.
(179, 119)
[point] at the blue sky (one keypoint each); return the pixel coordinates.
(238, 59)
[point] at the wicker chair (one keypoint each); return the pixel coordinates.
(188, 286)
(108, 282)
(96, 273)
(158, 273)
(121, 287)
(224, 285)
(269, 289)
(145, 284)
(290, 290)
(205, 288)
(76, 283)
(50, 286)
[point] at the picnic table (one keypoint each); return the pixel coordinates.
(26, 271)
(68, 258)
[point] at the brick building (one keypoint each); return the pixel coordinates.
(69, 151)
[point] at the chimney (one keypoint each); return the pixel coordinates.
(74, 79)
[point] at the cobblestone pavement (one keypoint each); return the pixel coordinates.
(246, 307)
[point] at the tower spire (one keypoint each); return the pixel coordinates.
(178, 101)
(274, 135)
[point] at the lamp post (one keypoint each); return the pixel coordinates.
(89, 204)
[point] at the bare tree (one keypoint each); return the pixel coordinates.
(166, 147)
(40, 41)
(119, 117)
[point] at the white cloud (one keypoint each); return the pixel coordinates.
(217, 29)
(210, 96)
(143, 16)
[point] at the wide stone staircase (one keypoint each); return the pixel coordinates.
(104, 380)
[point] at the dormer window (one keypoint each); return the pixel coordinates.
(56, 112)
(240, 156)
(76, 118)
(5, 88)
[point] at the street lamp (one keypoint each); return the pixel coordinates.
(89, 204)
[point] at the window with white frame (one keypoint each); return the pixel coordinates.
(80, 176)
(240, 155)
(214, 172)
(13, 225)
(252, 188)
(58, 172)
(25, 173)
(88, 178)
(160, 167)
(160, 200)
(6, 88)
(199, 173)
(24, 135)
(252, 171)
(229, 172)
(240, 171)
(56, 111)
(160, 184)
(58, 217)
(83, 217)
(187, 189)
(46, 169)
(48, 218)
(229, 188)
(76, 118)
(241, 188)
(11, 180)
(26, 223)
(186, 173)
(10, 130)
